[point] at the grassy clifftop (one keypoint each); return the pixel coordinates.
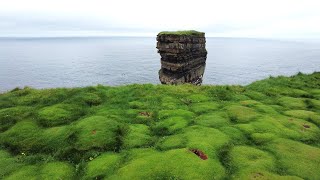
(182, 33)
(266, 130)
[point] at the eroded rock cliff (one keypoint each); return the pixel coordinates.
(183, 57)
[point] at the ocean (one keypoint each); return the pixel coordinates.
(85, 61)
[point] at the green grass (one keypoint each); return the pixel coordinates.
(96, 132)
(241, 114)
(8, 163)
(243, 158)
(171, 164)
(58, 114)
(139, 135)
(53, 170)
(214, 119)
(308, 115)
(102, 166)
(182, 33)
(297, 158)
(170, 125)
(266, 130)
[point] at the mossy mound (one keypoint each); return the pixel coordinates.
(170, 125)
(172, 164)
(297, 158)
(9, 116)
(57, 170)
(8, 164)
(241, 114)
(26, 172)
(208, 140)
(250, 103)
(261, 138)
(215, 120)
(163, 114)
(266, 109)
(235, 134)
(263, 175)
(292, 103)
(53, 170)
(139, 135)
(251, 158)
(58, 114)
(97, 132)
(266, 130)
(102, 166)
(57, 137)
(204, 107)
(281, 126)
(172, 103)
(172, 142)
(91, 99)
(308, 115)
(23, 136)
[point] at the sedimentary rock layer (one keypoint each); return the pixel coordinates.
(193, 76)
(181, 56)
(169, 38)
(183, 66)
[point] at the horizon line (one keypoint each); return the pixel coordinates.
(137, 36)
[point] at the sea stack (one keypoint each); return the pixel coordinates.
(183, 56)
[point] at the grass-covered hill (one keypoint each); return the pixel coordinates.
(266, 130)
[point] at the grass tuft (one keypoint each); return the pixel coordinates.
(182, 33)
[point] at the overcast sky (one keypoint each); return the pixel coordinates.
(219, 18)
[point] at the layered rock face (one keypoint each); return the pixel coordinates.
(183, 57)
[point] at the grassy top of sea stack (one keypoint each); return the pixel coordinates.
(182, 33)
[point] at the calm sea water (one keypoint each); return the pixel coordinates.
(70, 62)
